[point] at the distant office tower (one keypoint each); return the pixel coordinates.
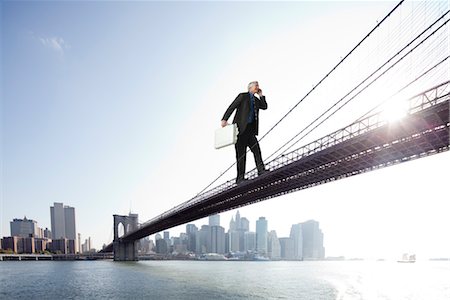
(249, 241)
(245, 224)
(217, 239)
(232, 224)
(63, 224)
(233, 238)
(227, 242)
(297, 238)
(214, 220)
(191, 232)
(274, 248)
(24, 228)
(261, 236)
(312, 240)
(161, 246)
(166, 235)
(204, 240)
(286, 248)
(238, 220)
(69, 218)
(86, 247)
(79, 243)
(63, 221)
(58, 221)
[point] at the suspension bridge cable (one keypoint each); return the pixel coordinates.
(310, 91)
(360, 84)
(402, 89)
(359, 92)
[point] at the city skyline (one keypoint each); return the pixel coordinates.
(305, 241)
(116, 117)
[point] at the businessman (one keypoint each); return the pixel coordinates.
(247, 106)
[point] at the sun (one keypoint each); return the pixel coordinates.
(394, 111)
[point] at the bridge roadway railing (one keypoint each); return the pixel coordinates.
(422, 101)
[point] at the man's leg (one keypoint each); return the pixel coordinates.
(241, 147)
(254, 147)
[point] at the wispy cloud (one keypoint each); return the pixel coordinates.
(55, 43)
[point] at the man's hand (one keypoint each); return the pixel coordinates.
(260, 92)
(224, 123)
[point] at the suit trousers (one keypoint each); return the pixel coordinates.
(247, 139)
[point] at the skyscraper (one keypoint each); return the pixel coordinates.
(217, 239)
(233, 238)
(245, 224)
(249, 241)
(274, 248)
(63, 223)
(205, 239)
(166, 235)
(69, 219)
(312, 240)
(286, 248)
(261, 236)
(58, 221)
(214, 220)
(191, 231)
(297, 238)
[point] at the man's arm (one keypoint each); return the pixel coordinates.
(262, 102)
(230, 109)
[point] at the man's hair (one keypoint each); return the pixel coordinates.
(252, 84)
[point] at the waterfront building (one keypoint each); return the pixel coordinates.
(40, 245)
(273, 247)
(11, 243)
(191, 232)
(312, 241)
(249, 241)
(204, 239)
(233, 237)
(297, 237)
(287, 248)
(63, 222)
(27, 245)
(217, 239)
(261, 236)
(161, 246)
(59, 246)
(24, 228)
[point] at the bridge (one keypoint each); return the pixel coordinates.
(370, 143)
(366, 145)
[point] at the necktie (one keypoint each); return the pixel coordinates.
(251, 115)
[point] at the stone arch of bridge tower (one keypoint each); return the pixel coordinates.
(129, 224)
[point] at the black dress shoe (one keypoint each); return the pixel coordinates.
(262, 172)
(240, 180)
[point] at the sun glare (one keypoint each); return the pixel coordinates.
(395, 110)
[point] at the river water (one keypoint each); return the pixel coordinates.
(385, 280)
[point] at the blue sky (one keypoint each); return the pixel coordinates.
(111, 106)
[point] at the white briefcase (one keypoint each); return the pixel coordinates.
(226, 136)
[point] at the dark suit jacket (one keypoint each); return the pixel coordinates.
(242, 104)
